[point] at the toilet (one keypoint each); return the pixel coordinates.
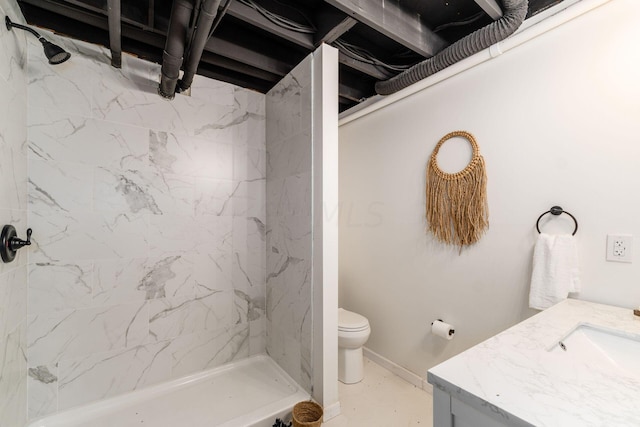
(353, 332)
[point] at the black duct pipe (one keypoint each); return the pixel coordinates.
(208, 12)
(115, 43)
(181, 12)
(514, 13)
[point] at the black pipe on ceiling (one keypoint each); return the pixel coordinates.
(206, 16)
(115, 43)
(181, 12)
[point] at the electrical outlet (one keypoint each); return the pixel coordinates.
(619, 247)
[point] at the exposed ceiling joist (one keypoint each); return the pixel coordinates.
(252, 57)
(269, 71)
(363, 67)
(209, 59)
(66, 4)
(221, 47)
(85, 17)
(230, 64)
(255, 51)
(251, 16)
(332, 23)
(239, 79)
(350, 93)
(491, 8)
(388, 18)
(151, 13)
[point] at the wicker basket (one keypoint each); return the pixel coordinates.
(307, 414)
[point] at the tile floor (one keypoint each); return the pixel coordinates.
(382, 399)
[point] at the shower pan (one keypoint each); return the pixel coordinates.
(252, 392)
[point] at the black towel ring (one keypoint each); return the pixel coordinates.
(557, 210)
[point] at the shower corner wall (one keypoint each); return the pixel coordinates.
(302, 165)
(13, 210)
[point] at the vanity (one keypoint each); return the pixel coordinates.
(574, 364)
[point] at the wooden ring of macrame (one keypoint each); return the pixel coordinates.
(456, 206)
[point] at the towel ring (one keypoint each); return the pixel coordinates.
(557, 210)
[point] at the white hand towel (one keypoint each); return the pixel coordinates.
(555, 270)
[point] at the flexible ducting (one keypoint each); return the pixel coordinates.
(172, 56)
(513, 15)
(207, 14)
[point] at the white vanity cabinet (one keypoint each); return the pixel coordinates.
(451, 412)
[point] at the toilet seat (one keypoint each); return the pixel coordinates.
(349, 321)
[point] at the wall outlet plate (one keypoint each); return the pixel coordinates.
(620, 247)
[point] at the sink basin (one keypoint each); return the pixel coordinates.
(602, 348)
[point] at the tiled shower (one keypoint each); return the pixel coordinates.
(289, 215)
(149, 219)
(169, 237)
(13, 209)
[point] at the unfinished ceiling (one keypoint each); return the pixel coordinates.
(257, 42)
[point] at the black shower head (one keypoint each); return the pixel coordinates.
(54, 53)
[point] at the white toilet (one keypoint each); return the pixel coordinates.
(353, 332)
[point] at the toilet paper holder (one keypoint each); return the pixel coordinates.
(451, 330)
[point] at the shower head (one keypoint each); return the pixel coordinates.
(54, 53)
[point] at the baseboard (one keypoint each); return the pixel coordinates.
(398, 370)
(330, 411)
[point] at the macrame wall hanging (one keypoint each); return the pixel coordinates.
(457, 210)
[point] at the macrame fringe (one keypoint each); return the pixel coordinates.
(457, 209)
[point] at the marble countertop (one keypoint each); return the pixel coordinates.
(515, 376)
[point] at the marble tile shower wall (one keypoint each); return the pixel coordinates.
(13, 210)
(149, 219)
(289, 223)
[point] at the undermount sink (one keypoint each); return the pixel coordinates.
(602, 348)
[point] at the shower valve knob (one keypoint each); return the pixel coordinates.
(10, 242)
(16, 243)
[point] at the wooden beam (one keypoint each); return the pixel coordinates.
(209, 58)
(251, 16)
(332, 23)
(350, 93)
(491, 8)
(239, 80)
(389, 18)
(344, 101)
(363, 67)
(151, 14)
(249, 56)
(81, 7)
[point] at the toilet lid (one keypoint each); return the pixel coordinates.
(350, 321)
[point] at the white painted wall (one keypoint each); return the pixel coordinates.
(558, 122)
(325, 228)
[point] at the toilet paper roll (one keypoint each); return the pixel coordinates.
(442, 329)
